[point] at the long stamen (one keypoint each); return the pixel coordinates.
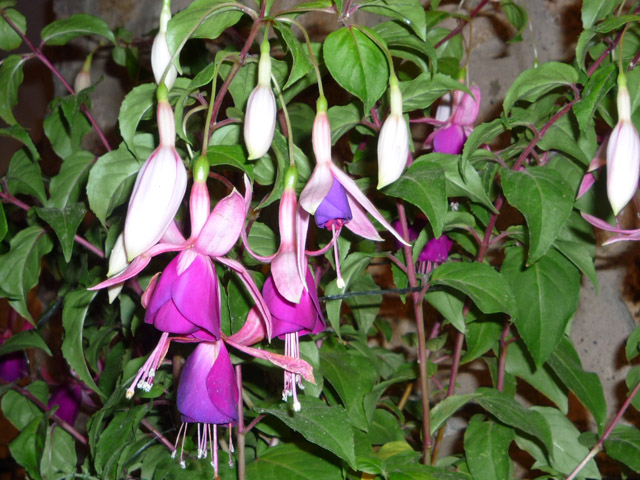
(336, 253)
(183, 465)
(146, 374)
(175, 445)
(231, 449)
(215, 450)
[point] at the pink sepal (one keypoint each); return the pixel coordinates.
(467, 111)
(360, 223)
(222, 229)
(172, 234)
(134, 268)
(252, 331)
(148, 293)
(587, 182)
(317, 187)
(199, 207)
(290, 364)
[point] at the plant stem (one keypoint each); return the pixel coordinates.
(423, 354)
(65, 426)
(462, 23)
(502, 360)
(240, 437)
(147, 424)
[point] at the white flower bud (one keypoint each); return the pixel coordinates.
(393, 143)
(160, 54)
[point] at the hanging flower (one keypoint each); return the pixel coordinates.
(160, 54)
(159, 188)
(393, 142)
(436, 250)
(623, 153)
(68, 399)
(260, 119)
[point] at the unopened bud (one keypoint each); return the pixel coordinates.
(160, 54)
(83, 78)
(393, 143)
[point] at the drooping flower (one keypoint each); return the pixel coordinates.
(160, 54)
(68, 399)
(393, 142)
(436, 250)
(320, 189)
(452, 132)
(289, 321)
(13, 366)
(623, 153)
(159, 188)
(260, 119)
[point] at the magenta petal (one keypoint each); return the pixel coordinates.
(207, 392)
(13, 366)
(449, 140)
(436, 250)
(68, 400)
(162, 290)
(222, 229)
(169, 319)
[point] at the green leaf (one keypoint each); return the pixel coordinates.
(9, 38)
(423, 90)
(110, 181)
(327, 427)
(136, 106)
(293, 462)
(446, 408)
(364, 308)
(543, 379)
(65, 222)
(409, 12)
(24, 176)
(400, 41)
(20, 268)
(483, 133)
(26, 448)
(427, 472)
(67, 186)
(565, 362)
(10, 80)
(580, 257)
(3, 223)
(201, 19)
(262, 240)
(623, 445)
(594, 91)
(632, 347)
(487, 443)
(301, 64)
(66, 126)
(18, 133)
(615, 23)
(74, 312)
(545, 200)
(232, 155)
(23, 340)
(357, 64)
(564, 135)
(517, 17)
(21, 411)
(59, 454)
(481, 336)
(546, 296)
(450, 305)
(487, 288)
(594, 10)
(567, 450)
(509, 411)
(343, 118)
(61, 31)
(535, 82)
(423, 185)
(351, 375)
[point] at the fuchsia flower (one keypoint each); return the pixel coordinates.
(68, 398)
(320, 193)
(159, 187)
(260, 119)
(393, 142)
(450, 134)
(436, 250)
(160, 54)
(623, 153)
(13, 366)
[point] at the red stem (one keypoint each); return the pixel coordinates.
(462, 24)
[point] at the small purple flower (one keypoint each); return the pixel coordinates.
(68, 399)
(186, 298)
(13, 366)
(449, 140)
(334, 209)
(436, 250)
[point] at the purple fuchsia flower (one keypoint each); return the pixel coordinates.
(435, 251)
(393, 141)
(68, 399)
(159, 187)
(289, 321)
(208, 395)
(327, 187)
(260, 119)
(450, 134)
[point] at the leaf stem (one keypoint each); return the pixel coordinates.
(461, 24)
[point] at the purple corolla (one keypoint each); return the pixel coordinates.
(68, 399)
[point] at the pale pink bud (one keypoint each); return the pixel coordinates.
(83, 78)
(117, 264)
(393, 144)
(158, 191)
(623, 154)
(260, 119)
(160, 54)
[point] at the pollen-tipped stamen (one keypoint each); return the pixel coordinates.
(336, 253)
(146, 374)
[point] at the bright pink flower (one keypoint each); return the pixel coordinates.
(436, 250)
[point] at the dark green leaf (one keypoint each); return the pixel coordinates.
(535, 82)
(327, 427)
(564, 135)
(564, 361)
(446, 408)
(9, 38)
(3, 223)
(293, 462)
(110, 181)
(66, 126)
(615, 23)
(517, 17)
(623, 445)
(232, 155)
(18, 133)
(137, 105)
(509, 411)
(26, 448)
(65, 188)
(397, 36)
(20, 268)
(24, 176)
(427, 472)
(21, 411)
(76, 305)
(23, 340)
(487, 443)
(481, 336)
(594, 91)
(423, 90)
(365, 308)
(65, 223)
(423, 185)
(594, 10)
(487, 288)
(61, 31)
(342, 119)
(299, 56)
(546, 296)
(545, 200)
(632, 348)
(450, 305)
(10, 80)
(357, 64)
(483, 133)
(409, 12)
(59, 454)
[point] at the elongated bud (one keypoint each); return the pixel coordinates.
(321, 134)
(83, 79)
(160, 55)
(393, 144)
(260, 119)
(623, 153)
(200, 202)
(117, 263)
(166, 120)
